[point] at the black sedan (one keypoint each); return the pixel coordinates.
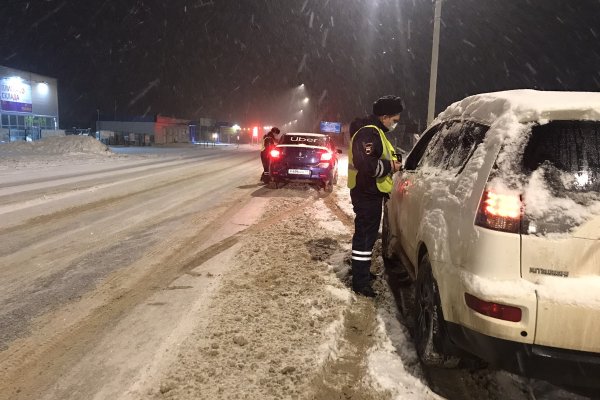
(304, 157)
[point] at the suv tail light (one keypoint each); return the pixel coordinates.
(500, 212)
(494, 310)
(275, 153)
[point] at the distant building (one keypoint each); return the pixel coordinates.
(28, 105)
(152, 129)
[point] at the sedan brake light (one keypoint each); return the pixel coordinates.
(326, 156)
(275, 153)
(494, 310)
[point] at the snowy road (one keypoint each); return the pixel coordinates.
(84, 245)
(174, 274)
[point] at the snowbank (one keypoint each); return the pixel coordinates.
(56, 145)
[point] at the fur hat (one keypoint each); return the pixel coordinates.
(388, 105)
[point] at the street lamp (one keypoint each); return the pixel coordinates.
(434, 60)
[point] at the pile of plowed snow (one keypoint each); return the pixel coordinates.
(55, 145)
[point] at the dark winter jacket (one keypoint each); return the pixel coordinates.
(366, 150)
(268, 142)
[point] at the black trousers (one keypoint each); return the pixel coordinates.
(264, 157)
(368, 210)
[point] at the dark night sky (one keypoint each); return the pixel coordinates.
(238, 60)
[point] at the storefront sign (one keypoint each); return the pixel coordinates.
(15, 95)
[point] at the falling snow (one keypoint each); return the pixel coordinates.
(236, 61)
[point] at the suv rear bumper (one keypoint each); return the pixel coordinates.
(560, 366)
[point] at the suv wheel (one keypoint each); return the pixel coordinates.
(429, 320)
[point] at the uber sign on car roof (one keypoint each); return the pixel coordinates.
(303, 139)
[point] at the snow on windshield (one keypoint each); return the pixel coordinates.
(541, 203)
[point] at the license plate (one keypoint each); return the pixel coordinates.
(298, 172)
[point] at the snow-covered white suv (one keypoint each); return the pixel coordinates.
(496, 218)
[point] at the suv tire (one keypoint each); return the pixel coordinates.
(429, 320)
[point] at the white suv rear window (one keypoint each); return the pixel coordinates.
(561, 165)
(569, 154)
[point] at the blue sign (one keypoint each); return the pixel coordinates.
(331, 127)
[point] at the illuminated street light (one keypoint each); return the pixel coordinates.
(236, 127)
(305, 100)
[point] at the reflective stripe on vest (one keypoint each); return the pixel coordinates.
(384, 184)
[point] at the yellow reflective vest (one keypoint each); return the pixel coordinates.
(263, 146)
(384, 184)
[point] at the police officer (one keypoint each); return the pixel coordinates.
(371, 164)
(268, 142)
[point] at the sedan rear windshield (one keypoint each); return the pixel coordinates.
(304, 139)
(569, 154)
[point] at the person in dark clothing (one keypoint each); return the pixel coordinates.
(371, 164)
(268, 142)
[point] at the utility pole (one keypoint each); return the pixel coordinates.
(434, 60)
